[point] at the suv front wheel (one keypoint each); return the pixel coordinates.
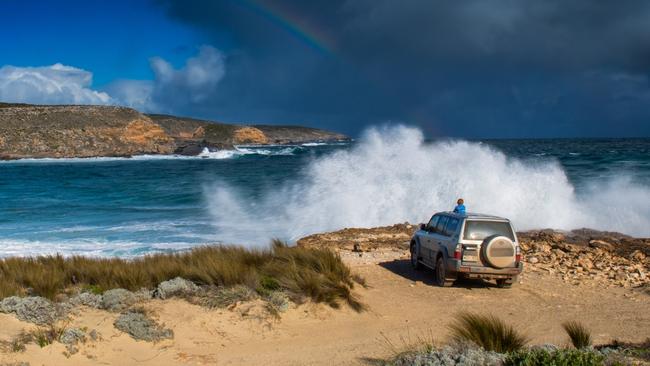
(442, 278)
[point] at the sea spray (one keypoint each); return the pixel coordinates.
(392, 175)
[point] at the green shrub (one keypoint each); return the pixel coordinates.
(562, 357)
(267, 285)
(486, 331)
(578, 333)
(93, 289)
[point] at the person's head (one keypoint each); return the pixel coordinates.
(460, 201)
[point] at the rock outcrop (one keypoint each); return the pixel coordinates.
(609, 259)
(66, 131)
(578, 256)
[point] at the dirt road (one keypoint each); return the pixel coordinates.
(403, 304)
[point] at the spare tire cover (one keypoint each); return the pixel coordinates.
(499, 251)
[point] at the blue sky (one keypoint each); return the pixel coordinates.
(113, 39)
(474, 68)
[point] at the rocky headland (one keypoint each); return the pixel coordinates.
(72, 131)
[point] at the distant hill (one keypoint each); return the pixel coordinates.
(63, 131)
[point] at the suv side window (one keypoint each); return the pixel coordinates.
(433, 222)
(451, 227)
(441, 224)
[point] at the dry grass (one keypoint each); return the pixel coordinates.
(222, 297)
(580, 336)
(486, 331)
(317, 274)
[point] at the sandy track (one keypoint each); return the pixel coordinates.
(403, 304)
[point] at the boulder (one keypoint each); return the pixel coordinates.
(600, 244)
(177, 286)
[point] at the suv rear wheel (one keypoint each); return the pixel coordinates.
(415, 253)
(442, 279)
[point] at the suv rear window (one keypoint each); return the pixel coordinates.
(479, 230)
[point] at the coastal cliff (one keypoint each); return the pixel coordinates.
(66, 131)
(193, 135)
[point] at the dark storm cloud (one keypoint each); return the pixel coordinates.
(473, 68)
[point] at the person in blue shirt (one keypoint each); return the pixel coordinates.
(460, 207)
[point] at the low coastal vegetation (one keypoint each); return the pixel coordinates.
(478, 339)
(301, 273)
(579, 335)
(487, 331)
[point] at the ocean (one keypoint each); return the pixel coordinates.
(133, 206)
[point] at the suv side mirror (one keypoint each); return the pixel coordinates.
(423, 227)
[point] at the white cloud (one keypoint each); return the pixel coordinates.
(171, 90)
(133, 93)
(55, 84)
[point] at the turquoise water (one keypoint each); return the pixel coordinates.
(129, 207)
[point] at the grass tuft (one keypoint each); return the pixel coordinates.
(486, 331)
(302, 273)
(223, 297)
(580, 336)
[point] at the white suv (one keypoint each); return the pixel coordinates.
(467, 245)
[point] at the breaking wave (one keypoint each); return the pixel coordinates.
(393, 176)
(238, 151)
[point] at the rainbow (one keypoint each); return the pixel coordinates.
(292, 22)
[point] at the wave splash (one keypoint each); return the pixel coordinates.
(393, 176)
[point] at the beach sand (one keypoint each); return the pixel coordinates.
(403, 306)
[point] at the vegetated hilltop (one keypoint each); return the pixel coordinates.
(65, 131)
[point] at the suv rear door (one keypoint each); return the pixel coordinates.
(437, 238)
(426, 240)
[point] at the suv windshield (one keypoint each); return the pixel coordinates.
(479, 230)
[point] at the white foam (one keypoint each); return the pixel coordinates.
(314, 144)
(91, 248)
(271, 150)
(392, 176)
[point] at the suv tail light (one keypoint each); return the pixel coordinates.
(457, 252)
(518, 255)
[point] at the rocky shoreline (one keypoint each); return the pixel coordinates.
(71, 131)
(577, 257)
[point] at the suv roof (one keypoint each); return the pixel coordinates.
(475, 215)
